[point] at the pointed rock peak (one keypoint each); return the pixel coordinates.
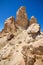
(32, 17)
(21, 17)
(33, 20)
(9, 24)
(10, 18)
(22, 8)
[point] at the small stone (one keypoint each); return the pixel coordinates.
(10, 36)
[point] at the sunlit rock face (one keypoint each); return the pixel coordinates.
(21, 17)
(33, 28)
(9, 25)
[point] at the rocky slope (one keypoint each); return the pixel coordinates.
(21, 41)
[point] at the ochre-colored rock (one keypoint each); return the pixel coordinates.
(21, 17)
(9, 25)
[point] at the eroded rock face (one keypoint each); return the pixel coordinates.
(4, 52)
(29, 59)
(10, 25)
(22, 19)
(37, 47)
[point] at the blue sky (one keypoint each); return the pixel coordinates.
(9, 8)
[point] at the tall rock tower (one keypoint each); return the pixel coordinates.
(21, 17)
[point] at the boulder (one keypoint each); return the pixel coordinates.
(33, 28)
(21, 18)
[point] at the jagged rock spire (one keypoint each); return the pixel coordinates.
(9, 25)
(21, 17)
(33, 20)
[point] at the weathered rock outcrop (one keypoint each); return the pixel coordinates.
(22, 19)
(24, 46)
